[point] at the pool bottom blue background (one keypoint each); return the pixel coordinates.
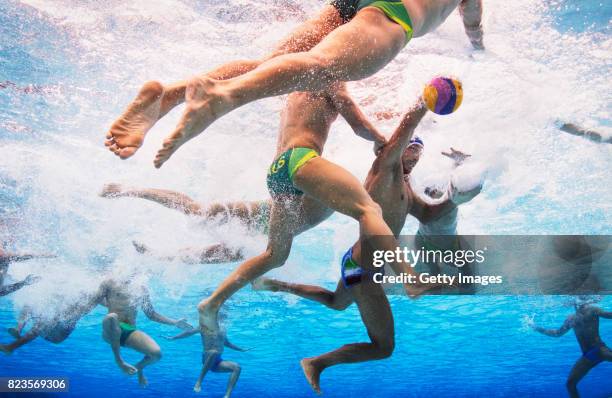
(446, 346)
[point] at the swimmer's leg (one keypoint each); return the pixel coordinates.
(284, 218)
(154, 100)
(214, 254)
(144, 344)
(377, 318)
(339, 300)
(170, 199)
(24, 317)
(353, 51)
(574, 129)
(210, 358)
(580, 369)
(338, 189)
(111, 333)
(23, 340)
(247, 212)
(225, 367)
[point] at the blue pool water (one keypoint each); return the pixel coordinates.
(67, 68)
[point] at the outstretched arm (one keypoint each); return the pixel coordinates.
(8, 289)
(574, 129)
(182, 335)
(471, 13)
(392, 152)
(426, 212)
(83, 307)
(351, 112)
(566, 327)
(604, 314)
(147, 308)
(228, 344)
(170, 199)
(12, 257)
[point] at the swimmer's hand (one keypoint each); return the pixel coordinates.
(183, 324)
(457, 156)
(31, 279)
(530, 323)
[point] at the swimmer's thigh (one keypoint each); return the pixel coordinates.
(309, 33)
(361, 47)
(312, 213)
(226, 367)
(143, 343)
(606, 354)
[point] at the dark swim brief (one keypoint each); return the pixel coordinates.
(216, 362)
(280, 174)
(394, 10)
(126, 331)
(352, 273)
(594, 354)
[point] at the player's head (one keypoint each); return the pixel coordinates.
(412, 154)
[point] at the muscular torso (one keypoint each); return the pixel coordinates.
(120, 299)
(586, 328)
(388, 189)
(213, 342)
(306, 121)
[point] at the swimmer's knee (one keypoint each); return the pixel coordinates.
(153, 87)
(276, 256)
(340, 305)
(368, 209)
(155, 354)
(385, 348)
(110, 318)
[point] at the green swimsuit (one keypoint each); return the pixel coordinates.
(394, 10)
(126, 331)
(280, 174)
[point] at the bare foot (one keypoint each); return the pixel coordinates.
(204, 106)
(208, 319)
(127, 368)
(142, 380)
(312, 374)
(5, 349)
(111, 190)
(14, 332)
(264, 284)
(127, 133)
(197, 387)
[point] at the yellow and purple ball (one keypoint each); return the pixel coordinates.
(443, 95)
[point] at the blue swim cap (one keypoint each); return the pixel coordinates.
(416, 141)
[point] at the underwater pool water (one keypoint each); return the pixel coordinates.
(68, 68)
